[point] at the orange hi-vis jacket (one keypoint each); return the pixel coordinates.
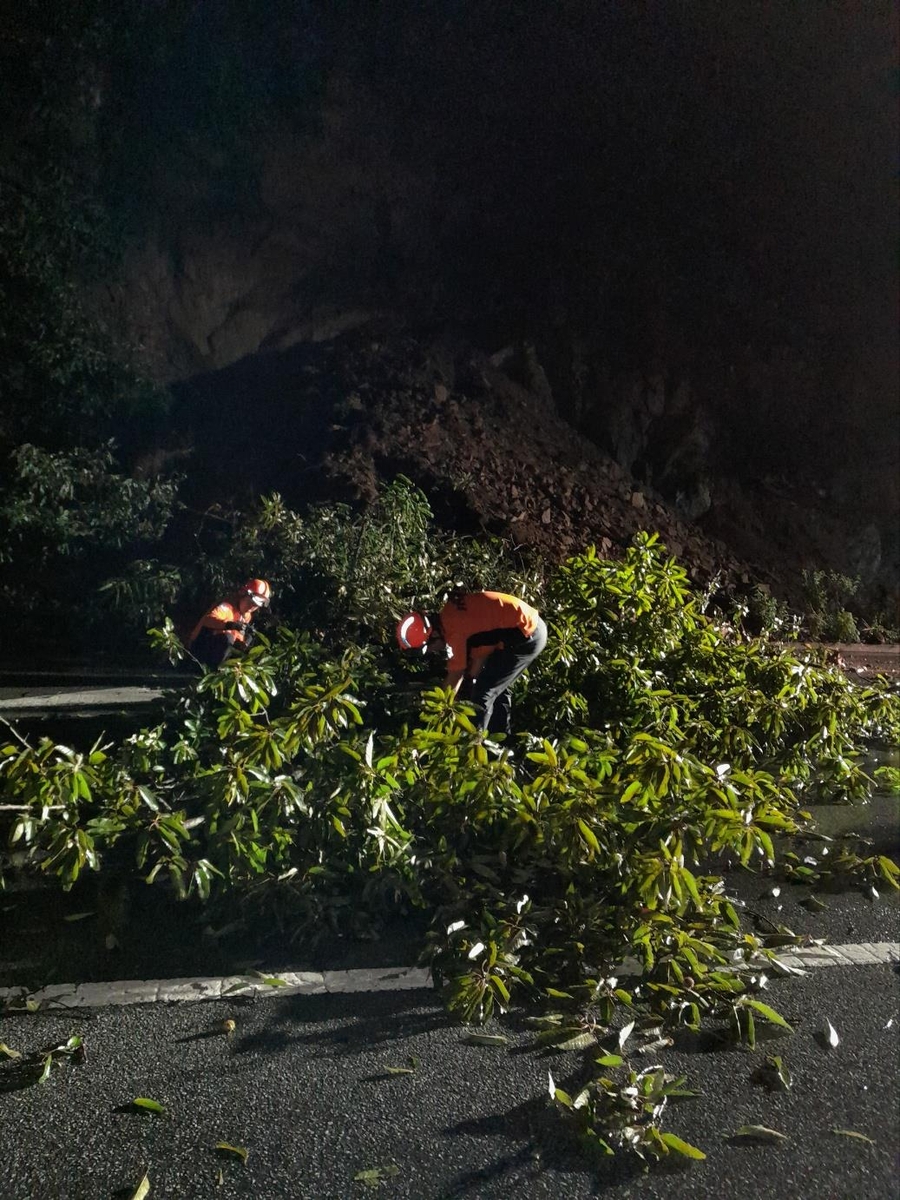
(218, 617)
(475, 625)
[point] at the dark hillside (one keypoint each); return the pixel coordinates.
(494, 456)
(574, 268)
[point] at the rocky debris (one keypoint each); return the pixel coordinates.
(494, 457)
(480, 435)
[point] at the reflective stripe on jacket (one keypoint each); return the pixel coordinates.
(218, 616)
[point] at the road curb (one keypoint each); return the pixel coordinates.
(323, 983)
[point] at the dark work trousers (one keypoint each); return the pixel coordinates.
(212, 647)
(490, 695)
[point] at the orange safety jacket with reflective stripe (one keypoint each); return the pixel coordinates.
(218, 616)
(475, 625)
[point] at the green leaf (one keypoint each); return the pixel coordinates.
(500, 987)
(851, 1133)
(680, 1147)
(773, 1074)
(148, 1105)
(485, 1039)
(759, 1133)
(46, 1069)
(588, 836)
(375, 1176)
(579, 1041)
(271, 981)
(768, 1014)
(226, 1149)
(6, 1052)
(888, 778)
(79, 916)
(399, 1070)
(142, 1191)
(609, 1060)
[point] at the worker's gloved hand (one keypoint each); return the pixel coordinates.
(239, 626)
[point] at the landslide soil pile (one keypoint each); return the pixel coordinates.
(333, 420)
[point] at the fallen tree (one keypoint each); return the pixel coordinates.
(315, 783)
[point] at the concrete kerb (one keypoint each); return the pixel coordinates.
(174, 991)
(796, 960)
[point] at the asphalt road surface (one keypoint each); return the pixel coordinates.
(303, 1085)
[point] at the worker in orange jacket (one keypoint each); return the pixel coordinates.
(227, 625)
(488, 638)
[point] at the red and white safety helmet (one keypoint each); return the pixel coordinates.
(413, 631)
(259, 592)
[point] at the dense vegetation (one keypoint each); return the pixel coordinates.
(321, 782)
(315, 782)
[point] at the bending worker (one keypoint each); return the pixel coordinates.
(226, 627)
(489, 638)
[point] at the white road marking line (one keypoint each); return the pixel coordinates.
(383, 979)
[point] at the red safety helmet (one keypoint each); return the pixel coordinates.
(259, 592)
(413, 631)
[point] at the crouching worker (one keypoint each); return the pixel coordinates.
(226, 628)
(489, 639)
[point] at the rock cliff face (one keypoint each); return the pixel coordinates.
(662, 231)
(338, 231)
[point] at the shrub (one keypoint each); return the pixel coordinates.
(308, 784)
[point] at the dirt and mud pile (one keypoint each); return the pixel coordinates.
(494, 457)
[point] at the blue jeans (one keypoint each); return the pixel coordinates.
(490, 695)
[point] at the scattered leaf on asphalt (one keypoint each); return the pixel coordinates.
(6, 1052)
(660, 1043)
(851, 1133)
(79, 916)
(759, 1133)
(578, 1041)
(229, 1025)
(233, 1151)
(814, 904)
(828, 1037)
(375, 1176)
(144, 1102)
(485, 1039)
(399, 1070)
(625, 1033)
(609, 1060)
(272, 981)
(47, 1068)
(773, 1074)
(142, 1191)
